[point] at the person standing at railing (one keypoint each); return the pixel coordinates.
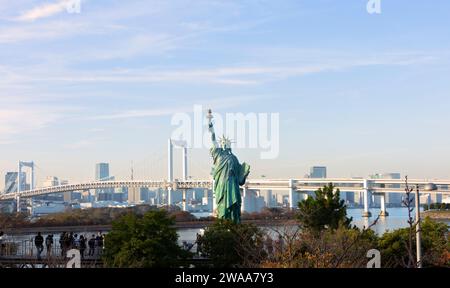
(99, 243)
(39, 243)
(91, 244)
(49, 244)
(62, 238)
(68, 242)
(76, 242)
(82, 246)
(2, 236)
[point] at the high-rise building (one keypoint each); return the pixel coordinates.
(11, 182)
(118, 197)
(253, 202)
(102, 174)
(101, 171)
(134, 195)
(145, 194)
(103, 196)
(318, 172)
(268, 198)
(50, 181)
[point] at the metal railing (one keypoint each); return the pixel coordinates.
(26, 249)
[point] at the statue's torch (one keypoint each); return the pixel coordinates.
(209, 116)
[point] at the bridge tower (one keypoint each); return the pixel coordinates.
(19, 172)
(383, 212)
(170, 145)
(293, 195)
(367, 193)
(134, 193)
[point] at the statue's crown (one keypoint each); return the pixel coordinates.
(225, 142)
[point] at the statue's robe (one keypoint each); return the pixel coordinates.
(228, 176)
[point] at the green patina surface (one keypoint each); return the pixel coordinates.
(228, 176)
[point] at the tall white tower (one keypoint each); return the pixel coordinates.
(32, 184)
(170, 145)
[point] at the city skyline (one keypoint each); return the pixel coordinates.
(101, 173)
(358, 93)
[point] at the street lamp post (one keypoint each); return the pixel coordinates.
(428, 187)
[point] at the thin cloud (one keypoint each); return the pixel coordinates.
(14, 122)
(216, 103)
(45, 11)
(53, 30)
(79, 144)
(140, 113)
(227, 75)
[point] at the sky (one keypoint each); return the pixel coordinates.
(359, 93)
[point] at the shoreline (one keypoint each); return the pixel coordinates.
(437, 215)
(106, 228)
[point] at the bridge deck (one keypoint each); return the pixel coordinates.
(346, 185)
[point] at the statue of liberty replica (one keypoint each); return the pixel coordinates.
(228, 175)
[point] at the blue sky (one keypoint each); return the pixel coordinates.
(356, 92)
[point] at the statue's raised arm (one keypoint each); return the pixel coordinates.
(211, 129)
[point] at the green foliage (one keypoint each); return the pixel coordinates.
(394, 245)
(335, 248)
(228, 244)
(324, 211)
(143, 242)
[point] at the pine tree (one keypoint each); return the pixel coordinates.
(324, 211)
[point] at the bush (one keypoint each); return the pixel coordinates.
(146, 241)
(228, 244)
(394, 245)
(330, 248)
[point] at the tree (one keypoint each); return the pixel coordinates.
(329, 248)
(228, 244)
(324, 211)
(146, 241)
(435, 247)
